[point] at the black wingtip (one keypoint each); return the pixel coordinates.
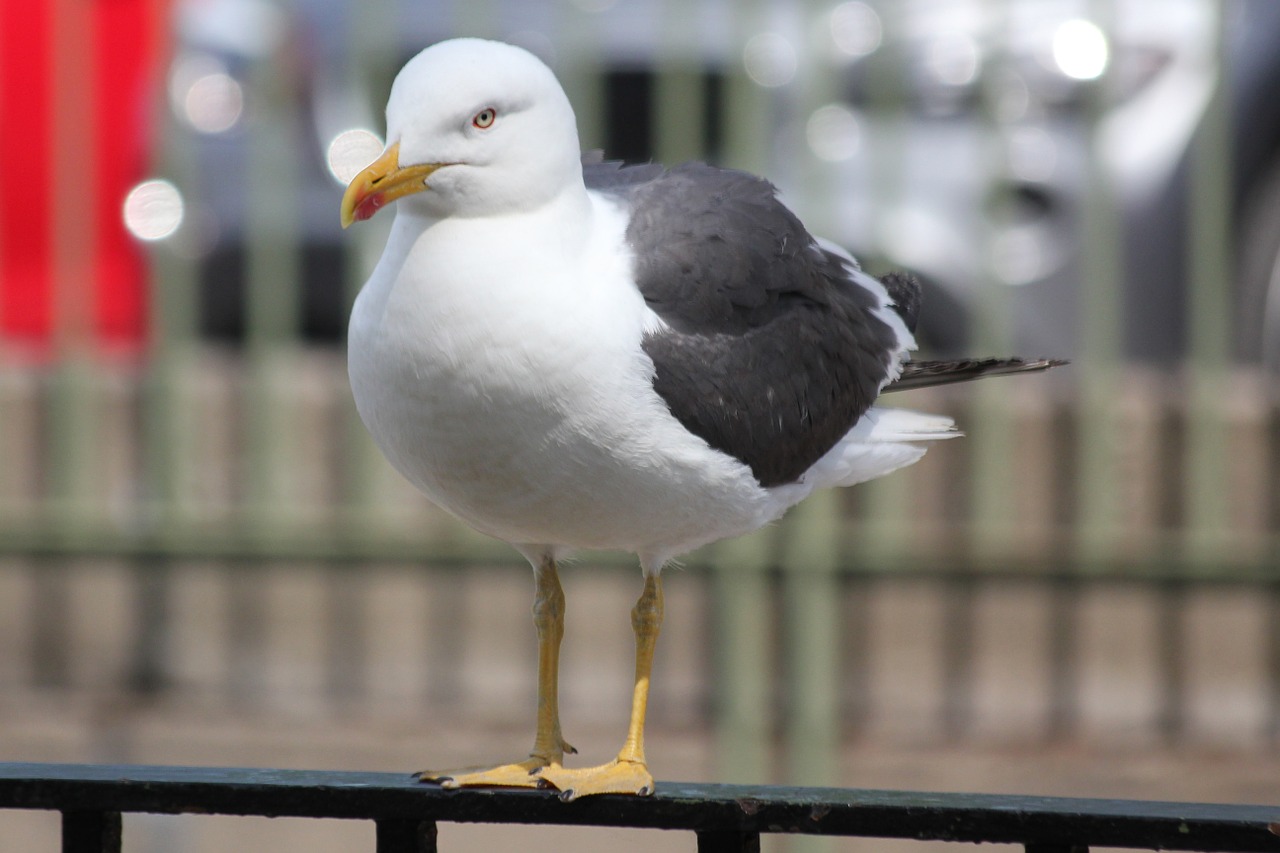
(922, 374)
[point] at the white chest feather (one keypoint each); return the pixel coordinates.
(497, 364)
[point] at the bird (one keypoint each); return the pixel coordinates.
(568, 353)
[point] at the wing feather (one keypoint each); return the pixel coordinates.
(773, 347)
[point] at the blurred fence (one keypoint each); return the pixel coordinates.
(250, 454)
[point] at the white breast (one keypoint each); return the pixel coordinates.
(497, 364)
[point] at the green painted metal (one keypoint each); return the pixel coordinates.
(167, 450)
(1043, 822)
(882, 533)
(679, 108)
(1209, 311)
(579, 66)
(360, 463)
(741, 595)
(272, 297)
(477, 19)
(811, 620)
(749, 109)
(989, 427)
(1097, 503)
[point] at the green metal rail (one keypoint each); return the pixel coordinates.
(725, 818)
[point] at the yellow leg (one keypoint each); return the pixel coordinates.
(549, 747)
(628, 773)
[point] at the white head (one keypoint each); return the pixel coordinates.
(474, 128)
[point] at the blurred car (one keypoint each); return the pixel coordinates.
(1001, 114)
(991, 120)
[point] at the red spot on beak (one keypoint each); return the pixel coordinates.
(368, 206)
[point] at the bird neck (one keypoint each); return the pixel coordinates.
(563, 220)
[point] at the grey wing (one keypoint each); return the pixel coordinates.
(772, 351)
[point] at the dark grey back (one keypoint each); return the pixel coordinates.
(772, 352)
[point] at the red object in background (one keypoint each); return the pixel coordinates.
(126, 41)
(26, 107)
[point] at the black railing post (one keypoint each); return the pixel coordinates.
(50, 616)
(1055, 848)
(727, 841)
(150, 667)
(406, 836)
(91, 832)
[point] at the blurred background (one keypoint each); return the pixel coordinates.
(203, 560)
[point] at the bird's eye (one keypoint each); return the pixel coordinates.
(484, 118)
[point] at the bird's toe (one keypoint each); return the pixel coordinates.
(520, 774)
(619, 776)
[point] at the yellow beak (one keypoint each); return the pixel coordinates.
(381, 183)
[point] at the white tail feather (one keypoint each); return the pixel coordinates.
(880, 443)
(904, 425)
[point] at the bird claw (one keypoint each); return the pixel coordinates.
(616, 777)
(620, 776)
(523, 774)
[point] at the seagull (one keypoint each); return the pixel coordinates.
(567, 353)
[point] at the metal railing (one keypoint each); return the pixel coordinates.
(725, 818)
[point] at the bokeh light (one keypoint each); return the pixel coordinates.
(856, 29)
(833, 133)
(350, 151)
(770, 60)
(204, 95)
(1080, 49)
(214, 103)
(153, 210)
(953, 60)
